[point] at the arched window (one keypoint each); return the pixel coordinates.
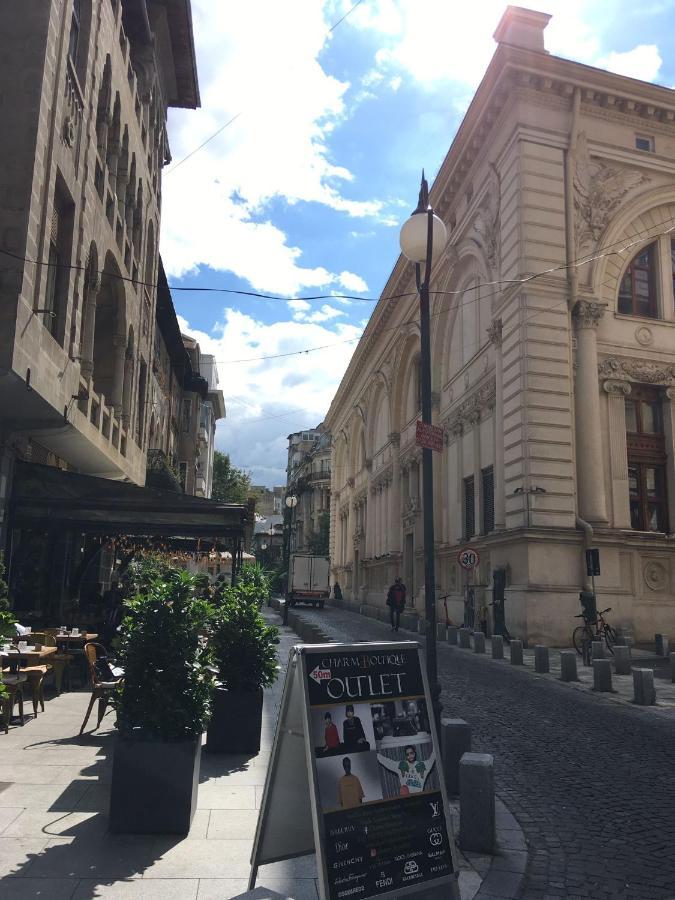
(78, 40)
(637, 292)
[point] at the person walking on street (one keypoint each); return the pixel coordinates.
(396, 603)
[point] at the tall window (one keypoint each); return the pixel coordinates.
(488, 489)
(58, 272)
(469, 508)
(637, 293)
(74, 40)
(646, 461)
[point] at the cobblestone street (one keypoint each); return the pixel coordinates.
(592, 783)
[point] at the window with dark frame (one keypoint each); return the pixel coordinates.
(644, 142)
(645, 443)
(469, 508)
(58, 272)
(637, 292)
(488, 491)
(74, 39)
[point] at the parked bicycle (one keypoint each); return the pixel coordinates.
(594, 630)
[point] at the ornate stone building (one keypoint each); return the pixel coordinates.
(308, 478)
(85, 89)
(553, 359)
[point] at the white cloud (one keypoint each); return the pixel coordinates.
(643, 62)
(268, 399)
(352, 282)
(216, 209)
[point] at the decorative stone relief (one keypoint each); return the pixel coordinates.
(622, 388)
(487, 225)
(587, 313)
(644, 336)
(656, 576)
(411, 510)
(617, 368)
(495, 332)
(599, 190)
(470, 410)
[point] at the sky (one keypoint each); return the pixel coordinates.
(325, 115)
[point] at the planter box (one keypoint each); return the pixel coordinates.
(154, 786)
(236, 722)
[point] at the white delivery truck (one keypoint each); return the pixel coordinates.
(308, 579)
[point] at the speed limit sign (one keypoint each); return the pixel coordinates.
(468, 558)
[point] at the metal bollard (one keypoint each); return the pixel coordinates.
(597, 650)
(455, 742)
(672, 667)
(452, 634)
(568, 665)
(477, 803)
(622, 664)
(440, 631)
(465, 638)
(541, 661)
(478, 642)
(643, 687)
(497, 646)
(602, 675)
(516, 653)
(661, 644)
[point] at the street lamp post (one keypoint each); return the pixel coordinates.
(423, 232)
(291, 503)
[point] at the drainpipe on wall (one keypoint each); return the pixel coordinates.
(573, 281)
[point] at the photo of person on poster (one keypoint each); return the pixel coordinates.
(400, 722)
(342, 729)
(411, 767)
(348, 781)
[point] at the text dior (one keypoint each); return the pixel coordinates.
(365, 686)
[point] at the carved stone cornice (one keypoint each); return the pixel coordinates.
(617, 388)
(487, 223)
(384, 476)
(587, 313)
(623, 369)
(470, 409)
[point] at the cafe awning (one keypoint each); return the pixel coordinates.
(48, 498)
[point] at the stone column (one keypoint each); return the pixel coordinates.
(495, 334)
(128, 389)
(89, 326)
(590, 477)
(386, 517)
(669, 429)
(394, 519)
(351, 517)
(117, 395)
(617, 391)
(370, 525)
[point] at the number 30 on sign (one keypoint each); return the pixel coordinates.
(468, 558)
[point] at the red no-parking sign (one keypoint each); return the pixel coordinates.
(468, 558)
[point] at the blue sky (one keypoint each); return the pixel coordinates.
(304, 192)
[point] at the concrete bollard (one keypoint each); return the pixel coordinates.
(643, 687)
(455, 742)
(465, 638)
(452, 634)
(497, 646)
(602, 675)
(516, 653)
(568, 665)
(672, 667)
(440, 631)
(622, 664)
(541, 660)
(597, 650)
(478, 642)
(661, 644)
(477, 803)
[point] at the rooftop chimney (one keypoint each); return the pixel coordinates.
(522, 28)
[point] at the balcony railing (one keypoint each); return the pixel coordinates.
(93, 408)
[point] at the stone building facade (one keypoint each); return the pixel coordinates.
(308, 478)
(553, 360)
(85, 89)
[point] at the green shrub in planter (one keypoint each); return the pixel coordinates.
(162, 706)
(7, 619)
(245, 658)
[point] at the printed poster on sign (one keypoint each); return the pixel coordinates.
(382, 815)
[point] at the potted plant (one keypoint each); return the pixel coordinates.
(245, 661)
(6, 620)
(162, 705)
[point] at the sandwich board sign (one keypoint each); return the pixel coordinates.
(356, 775)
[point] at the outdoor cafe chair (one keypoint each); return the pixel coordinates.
(60, 662)
(14, 682)
(102, 688)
